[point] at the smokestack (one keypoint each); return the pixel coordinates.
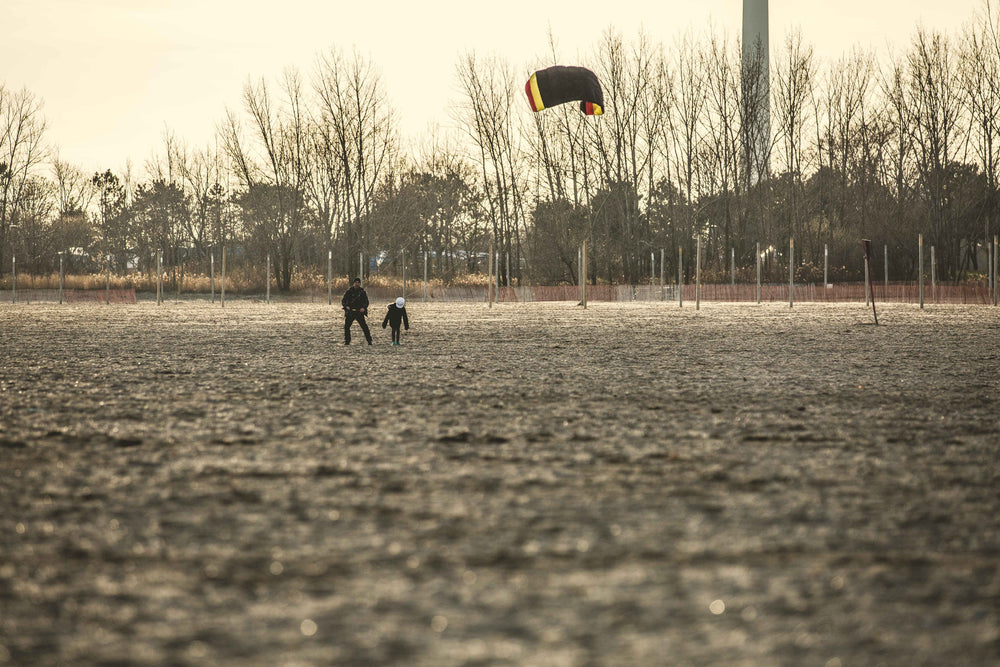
(756, 85)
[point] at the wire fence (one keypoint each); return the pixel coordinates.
(908, 292)
(171, 286)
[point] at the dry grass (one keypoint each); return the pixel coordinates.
(237, 280)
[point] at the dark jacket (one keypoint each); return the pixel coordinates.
(355, 299)
(395, 316)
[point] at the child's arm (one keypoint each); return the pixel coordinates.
(406, 322)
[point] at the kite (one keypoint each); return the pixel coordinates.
(558, 85)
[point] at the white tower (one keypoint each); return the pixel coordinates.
(756, 85)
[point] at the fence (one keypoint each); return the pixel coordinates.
(970, 293)
(905, 292)
(72, 296)
(848, 292)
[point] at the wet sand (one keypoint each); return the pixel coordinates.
(532, 484)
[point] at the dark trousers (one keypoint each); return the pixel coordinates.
(395, 335)
(352, 315)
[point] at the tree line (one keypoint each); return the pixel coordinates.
(311, 171)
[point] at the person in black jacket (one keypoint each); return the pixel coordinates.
(355, 303)
(396, 314)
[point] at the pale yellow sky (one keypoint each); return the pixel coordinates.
(115, 74)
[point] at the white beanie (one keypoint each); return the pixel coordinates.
(400, 302)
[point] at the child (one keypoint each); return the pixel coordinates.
(396, 314)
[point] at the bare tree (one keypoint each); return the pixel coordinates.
(274, 179)
(794, 81)
(934, 94)
(627, 144)
(74, 190)
(899, 154)
(452, 220)
(486, 117)
(22, 127)
(165, 205)
(755, 113)
(558, 149)
(839, 109)
(360, 141)
(203, 178)
(37, 238)
(723, 147)
(686, 130)
(658, 101)
(172, 164)
(980, 69)
(326, 197)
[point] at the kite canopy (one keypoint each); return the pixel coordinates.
(558, 85)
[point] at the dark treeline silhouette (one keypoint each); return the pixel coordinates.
(312, 173)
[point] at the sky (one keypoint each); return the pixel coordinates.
(116, 75)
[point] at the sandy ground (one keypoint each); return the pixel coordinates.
(531, 484)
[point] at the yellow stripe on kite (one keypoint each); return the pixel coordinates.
(536, 97)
